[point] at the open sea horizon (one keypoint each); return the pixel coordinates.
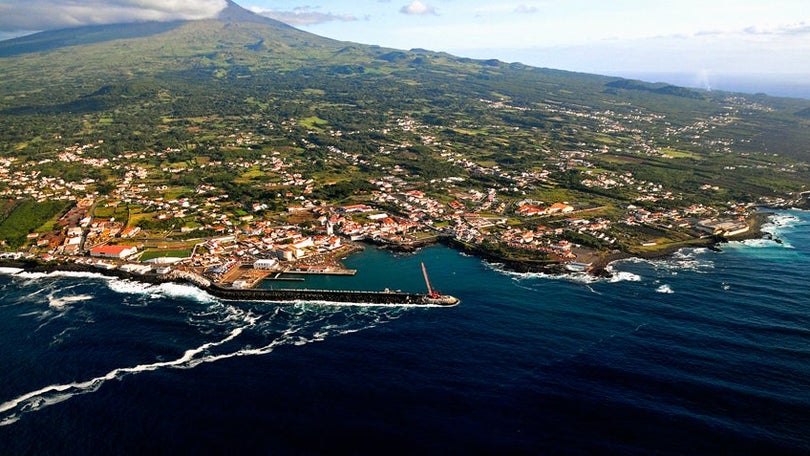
(702, 352)
(775, 85)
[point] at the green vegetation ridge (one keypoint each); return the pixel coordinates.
(241, 125)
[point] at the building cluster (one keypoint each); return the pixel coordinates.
(402, 209)
(75, 154)
(542, 239)
(702, 219)
(21, 180)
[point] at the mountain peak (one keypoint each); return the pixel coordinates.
(235, 13)
(89, 34)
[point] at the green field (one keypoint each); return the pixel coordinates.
(22, 217)
(674, 153)
(251, 117)
(162, 253)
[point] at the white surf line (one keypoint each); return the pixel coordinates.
(288, 336)
(53, 394)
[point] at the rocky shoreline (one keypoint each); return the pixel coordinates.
(599, 266)
(600, 261)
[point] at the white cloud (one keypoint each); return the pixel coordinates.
(800, 28)
(526, 9)
(761, 32)
(305, 15)
(51, 14)
(418, 8)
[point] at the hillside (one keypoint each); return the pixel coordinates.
(266, 114)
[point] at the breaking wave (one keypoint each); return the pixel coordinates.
(62, 301)
(576, 277)
(687, 259)
(228, 329)
(56, 274)
(779, 222)
(167, 290)
(777, 226)
(666, 289)
(234, 332)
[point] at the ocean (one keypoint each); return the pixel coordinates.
(775, 85)
(700, 353)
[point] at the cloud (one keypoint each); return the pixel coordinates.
(800, 28)
(783, 30)
(304, 15)
(52, 14)
(418, 8)
(526, 9)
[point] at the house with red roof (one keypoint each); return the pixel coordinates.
(113, 251)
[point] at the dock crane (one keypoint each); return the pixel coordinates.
(433, 294)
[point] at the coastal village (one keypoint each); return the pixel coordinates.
(146, 222)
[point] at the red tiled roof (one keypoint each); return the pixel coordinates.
(110, 249)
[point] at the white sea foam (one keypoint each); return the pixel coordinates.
(305, 324)
(687, 259)
(166, 289)
(124, 286)
(53, 394)
(32, 275)
(175, 290)
(62, 301)
(10, 271)
(580, 277)
(577, 277)
(689, 253)
(777, 221)
(764, 243)
(36, 276)
(624, 276)
(80, 275)
(776, 225)
(666, 289)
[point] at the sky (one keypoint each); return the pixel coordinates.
(698, 39)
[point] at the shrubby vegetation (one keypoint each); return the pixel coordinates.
(18, 219)
(342, 114)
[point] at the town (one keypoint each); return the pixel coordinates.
(160, 217)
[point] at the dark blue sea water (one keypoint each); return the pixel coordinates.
(701, 353)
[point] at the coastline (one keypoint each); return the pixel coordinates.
(385, 297)
(601, 260)
(755, 222)
(599, 267)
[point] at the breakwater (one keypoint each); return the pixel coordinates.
(242, 294)
(349, 296)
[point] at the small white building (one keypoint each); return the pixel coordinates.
(286, 253)
(269, 263)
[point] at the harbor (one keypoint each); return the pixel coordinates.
(248, 276)
(242, 283)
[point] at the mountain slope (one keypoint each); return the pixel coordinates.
(77, 36)
(188, 84)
